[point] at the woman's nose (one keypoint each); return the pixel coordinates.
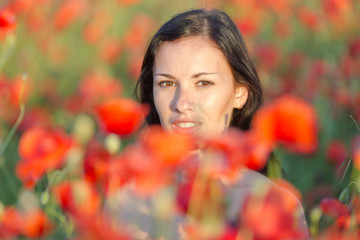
(183, 100)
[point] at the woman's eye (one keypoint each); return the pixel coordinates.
(204, 83)
(166, 84)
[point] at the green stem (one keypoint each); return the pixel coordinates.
(346, 169)
(357, 186)
(357, 126)
(5, 172)
(13, 129)
(274, 168)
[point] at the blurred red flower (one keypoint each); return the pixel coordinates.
(110, 50)
(122, 116)
(248, 26)
(157, 152)
(289, 121)
(235, 150)
(136, 36)
(336, 153)
(337, 11)
(309, 18)
(7, 22)
(334, 208)
(200, 196)
(167, 148)
(78, 198)
(83, 203)
(356, 151)
(99, 227)
(11, 92)
(134, 65)
(96, 160)
(68, 12)
(10, 222)
(283, 29)
(41, 149)
(35, 224)
(272, 214)
(24, 6)
(97, 27)
(268, 57)
(354, 47)
(35, 116)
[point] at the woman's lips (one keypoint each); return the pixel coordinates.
(185, 126)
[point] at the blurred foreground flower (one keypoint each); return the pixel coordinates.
(271, 212)
(83, 204)
(288, 121)
(121, 116)
(41, 150)
(33, 224)
(7, 22)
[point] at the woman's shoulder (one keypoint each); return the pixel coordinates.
(252, 190)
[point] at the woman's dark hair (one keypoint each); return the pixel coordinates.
(217, 26)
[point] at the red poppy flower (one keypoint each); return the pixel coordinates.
(35, 224)
(354, 48)
(268, 56)
(248, 26)
(309, 19)
(99, 227)
(356, 151)
(200, 197)
(272, 215)
(97, 27)
(7, 22)
(111, 50)
(337, 10)
(336, 153)
(289, 121)
(68, 12)
(40, 149)
(10, 222)
(334, 208)
(157, 152)
(136, 36)
(235, 150)
(134, 65)
(121, 116)
(78, 198)
(141, 168)
(36, 116)
(96, 162)
(82, 202)
(169, 149)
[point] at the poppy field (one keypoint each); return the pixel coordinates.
(72, 142)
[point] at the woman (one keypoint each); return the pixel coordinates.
(198, 79)
(215, 29)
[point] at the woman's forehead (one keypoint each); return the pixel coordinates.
(190, 52)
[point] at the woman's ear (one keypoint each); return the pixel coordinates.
(241, 96)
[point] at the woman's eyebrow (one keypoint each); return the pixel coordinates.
(165, 75)
(196, 75)
(202, 73)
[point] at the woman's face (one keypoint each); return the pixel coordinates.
(194, 89)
